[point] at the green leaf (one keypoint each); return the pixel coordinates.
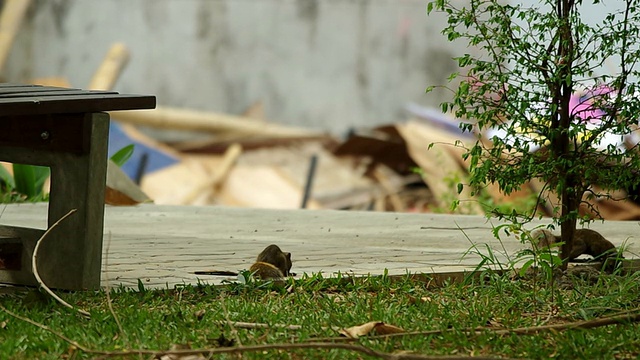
(41, 175)
(121, 156)
(525, 267)
(6, 177)
(24, 178)
(551, 259)
(29, 179)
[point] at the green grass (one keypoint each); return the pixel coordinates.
(157, 320)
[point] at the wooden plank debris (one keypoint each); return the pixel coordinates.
(112, 65)
(185, 119)
(121, 190)
(174, 184)
(276, 177)
(440, 168)
(385, 177)
(213, 184)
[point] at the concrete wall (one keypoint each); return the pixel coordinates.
(325, 64)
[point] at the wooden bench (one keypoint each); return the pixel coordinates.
(66, 130)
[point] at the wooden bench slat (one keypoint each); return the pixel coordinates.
(12, 95)
(18, 99)
(74, 104)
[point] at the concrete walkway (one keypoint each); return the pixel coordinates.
(164, 245)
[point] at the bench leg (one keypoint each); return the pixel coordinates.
(18, 269)
(71, 255)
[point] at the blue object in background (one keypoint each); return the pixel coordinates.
(155, 158)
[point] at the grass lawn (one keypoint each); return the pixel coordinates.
(439, 319)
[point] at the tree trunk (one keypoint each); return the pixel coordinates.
(570, 203)
(563, 91)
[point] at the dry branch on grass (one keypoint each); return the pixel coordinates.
(620, 318)
(34, 266)
(248, 325)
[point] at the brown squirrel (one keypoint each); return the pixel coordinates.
(585, 241)
(271, 264)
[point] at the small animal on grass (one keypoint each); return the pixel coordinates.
(272, 264)
(585, 241)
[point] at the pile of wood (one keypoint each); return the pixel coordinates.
(247, 161)
(293, 169)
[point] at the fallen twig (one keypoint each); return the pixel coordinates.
(247, 325)
(240, 349)
(629, 316)
(34, 266)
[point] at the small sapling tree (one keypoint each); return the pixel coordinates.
(557, 92)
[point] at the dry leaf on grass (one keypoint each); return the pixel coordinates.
(373, 327)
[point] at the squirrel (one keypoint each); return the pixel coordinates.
(271, 264)
(585, 241)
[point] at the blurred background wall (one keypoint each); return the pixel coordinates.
(323, 64)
